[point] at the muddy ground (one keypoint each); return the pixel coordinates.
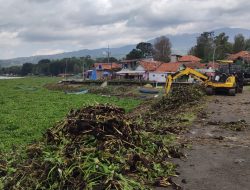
(218, 158)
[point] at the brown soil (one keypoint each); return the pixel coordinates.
(219, 157)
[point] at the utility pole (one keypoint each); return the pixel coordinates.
(65, 72)
(83, 72)
(108, 54)
(83, 69)
(214, 55)
(110, 63)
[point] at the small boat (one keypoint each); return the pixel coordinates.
(77, 92)
(149, 90)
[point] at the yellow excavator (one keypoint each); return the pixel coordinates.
(222, 82)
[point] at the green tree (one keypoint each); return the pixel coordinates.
(134, 54)
(247, 44)
(223, 47)
(106, 60)
(162, 49)
(239, 43)
(13, 70)
(88, 62)
(192, 51)
(205, 46)
(47, 67)
(27, 68)
(146, 48)
(43, 67)
(57, 67)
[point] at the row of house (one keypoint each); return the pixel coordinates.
(242, 63)
(148, 69)
(242, 57)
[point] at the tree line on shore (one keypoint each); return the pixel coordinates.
(48, 67)
(208, 47)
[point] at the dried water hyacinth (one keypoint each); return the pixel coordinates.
(3, 167)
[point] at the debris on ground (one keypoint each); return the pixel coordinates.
(180, 95)
(163, 116)
(238, 161)
(3, 167)
(101, 147)
(220, 138)
(233, 125)
(120, 91)
(95, 147)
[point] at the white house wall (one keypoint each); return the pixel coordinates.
(158, 77)
(139, 68)
(210, 70)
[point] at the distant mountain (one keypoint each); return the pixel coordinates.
(115, 52)
(180, 45)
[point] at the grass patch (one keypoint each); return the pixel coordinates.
(27, 109)
(188, 117)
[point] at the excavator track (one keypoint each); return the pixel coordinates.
(209, 91)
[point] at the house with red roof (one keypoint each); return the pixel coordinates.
(175, 57)
(158, 71)
(105, 70)
(242, 56)
(138, 69)
(107, 66)
(189, 58)
(160, 74)
(241, 62)
(148, 67)
(194, 62)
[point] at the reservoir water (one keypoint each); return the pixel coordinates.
(4, 77)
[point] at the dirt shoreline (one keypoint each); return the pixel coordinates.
(219, 158)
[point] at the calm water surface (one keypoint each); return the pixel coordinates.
(3, 77)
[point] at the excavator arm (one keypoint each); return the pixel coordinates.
(187, 71)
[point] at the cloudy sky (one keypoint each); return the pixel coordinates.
(32, 27)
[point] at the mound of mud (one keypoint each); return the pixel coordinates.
(95, 147)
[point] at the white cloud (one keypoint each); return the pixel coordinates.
(47, 52)
(36, 25)
(8, 38)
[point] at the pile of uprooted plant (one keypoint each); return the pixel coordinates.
(95, 147)
(101, 147)
(166, 115)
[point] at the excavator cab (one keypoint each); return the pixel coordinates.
(220, 77)
(233, 72)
